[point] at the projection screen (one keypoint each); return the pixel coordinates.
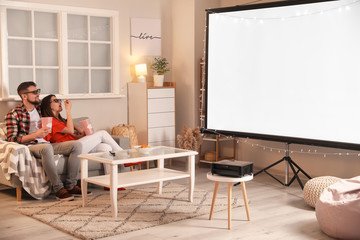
(285, 71)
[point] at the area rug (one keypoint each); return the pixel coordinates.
(138, 208)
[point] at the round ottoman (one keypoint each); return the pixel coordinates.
(338, 209)
(315, 186)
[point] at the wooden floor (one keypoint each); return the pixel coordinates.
(277, 212)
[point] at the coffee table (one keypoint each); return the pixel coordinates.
(115, 180)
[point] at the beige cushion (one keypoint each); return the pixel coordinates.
(314, 187)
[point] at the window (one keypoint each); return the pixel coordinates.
(33, 44)
(66, 51)
(89, 54)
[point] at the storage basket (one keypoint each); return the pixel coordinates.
(129, 131)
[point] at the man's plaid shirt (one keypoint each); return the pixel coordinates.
(18, 123)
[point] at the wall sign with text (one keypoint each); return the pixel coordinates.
(145, 37)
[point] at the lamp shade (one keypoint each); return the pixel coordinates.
(140, 69)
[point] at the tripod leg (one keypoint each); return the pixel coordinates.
(264, 170)
(270, 166)
(275, 178)
(295, 173)
(300, 169)
(291, 163)
(293, 178)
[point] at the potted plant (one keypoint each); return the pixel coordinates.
(160, 67)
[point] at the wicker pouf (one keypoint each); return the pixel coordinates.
(314, 187)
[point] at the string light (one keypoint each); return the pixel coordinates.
(279, 150)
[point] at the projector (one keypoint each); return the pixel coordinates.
(232, 168)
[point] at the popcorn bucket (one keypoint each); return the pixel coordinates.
(86, 125)
(46, 122)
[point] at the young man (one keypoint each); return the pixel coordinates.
(24, 126)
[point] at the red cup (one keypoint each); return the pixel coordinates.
(86, 125)
(46, 122)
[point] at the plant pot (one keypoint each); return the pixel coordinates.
(158, 80)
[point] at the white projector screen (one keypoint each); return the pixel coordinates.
(286, 71)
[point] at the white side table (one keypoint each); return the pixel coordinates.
(230, 181)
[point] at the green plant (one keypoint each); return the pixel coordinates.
(160, 65)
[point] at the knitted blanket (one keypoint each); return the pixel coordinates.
(16, 159)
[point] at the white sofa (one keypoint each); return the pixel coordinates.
(94, 167)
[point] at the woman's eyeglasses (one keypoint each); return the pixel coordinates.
(56, 100)
(37, 91)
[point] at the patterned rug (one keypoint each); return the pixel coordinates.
(138, 208)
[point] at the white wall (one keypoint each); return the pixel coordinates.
(188, 35)
(183, 61)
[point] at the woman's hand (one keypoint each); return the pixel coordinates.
(78, 135)
(69, 121)
(67, 104)
(79, 132)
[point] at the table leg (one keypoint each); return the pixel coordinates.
(191, 169)
(18, 193)
(84, 176)
(213, 200)
(161, 166)
(113, 189)
(229, 203)
(245, 200)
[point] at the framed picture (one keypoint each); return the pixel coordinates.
(145, 37)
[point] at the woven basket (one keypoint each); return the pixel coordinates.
(129, 131)
(314, 187)
(210, 156)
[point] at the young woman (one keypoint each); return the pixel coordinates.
(65, 130)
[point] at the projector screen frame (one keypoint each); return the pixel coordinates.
(277, 138)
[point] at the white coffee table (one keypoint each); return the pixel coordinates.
(115, 180)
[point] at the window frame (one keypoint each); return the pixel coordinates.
(63, 41)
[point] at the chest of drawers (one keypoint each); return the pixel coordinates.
(152, 112)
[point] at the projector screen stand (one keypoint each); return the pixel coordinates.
(292, 164)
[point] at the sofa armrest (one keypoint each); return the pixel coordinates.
(124, 142)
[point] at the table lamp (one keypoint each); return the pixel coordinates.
(141, 71)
